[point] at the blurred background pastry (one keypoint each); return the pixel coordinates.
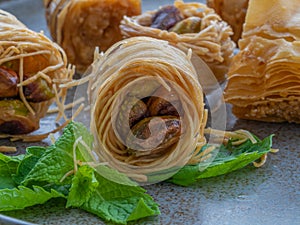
(188, 25)
(80, 26)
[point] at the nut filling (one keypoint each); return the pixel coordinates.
(169, 18)
(15, 117)
(154, 122)
(166, 18)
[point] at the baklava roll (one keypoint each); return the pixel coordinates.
(80, 26)
(147, 109)
(31, 69)
(187, 26)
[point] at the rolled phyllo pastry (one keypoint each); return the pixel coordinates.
(187, 26)
(147, 110)
(264, 79)
(31, 69)
(80, 26)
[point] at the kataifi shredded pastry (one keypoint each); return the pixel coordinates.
(80, 26)
(264, 78)
(147, 108)
(31, 69)
(233, 12)
(187, 26)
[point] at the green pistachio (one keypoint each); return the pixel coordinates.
(189, 25)
(145, 138)
(166, 105)
(38, 91)
(166, 17)
(131, 111)
(8, 83)
(15, 118)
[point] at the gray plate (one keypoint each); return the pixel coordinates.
(267, 195)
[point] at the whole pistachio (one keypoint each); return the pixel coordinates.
(166, 17)
(8, 83)
(12, 64)
(160, 106)
(38, 91)
(188, 25)
(137, 112)
(15, 118)
(166, 131)
(131, 111)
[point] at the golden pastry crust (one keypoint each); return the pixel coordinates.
(264, 78)
(80, 26)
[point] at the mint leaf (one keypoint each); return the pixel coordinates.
(120, 203)
(31, 157)
(228, 159)
(58, 160)
(143, 209)
(83, 178)
(114, 175)
(109, 200)
(21, 197)
(38, 177)
(8, 166)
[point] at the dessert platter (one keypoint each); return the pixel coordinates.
(62, 114)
